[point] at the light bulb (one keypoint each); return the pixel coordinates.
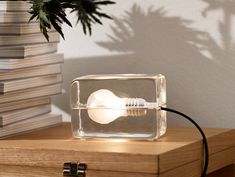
(104, 106)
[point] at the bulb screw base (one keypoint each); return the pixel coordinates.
(135, 102)
(135, 107)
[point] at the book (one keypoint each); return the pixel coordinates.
(44, 91)
(24, 104)
(19, 84)
(10, 117)
(26, 51)
(20, 28)
(30, 72)
(15, 17)
(32, 124)
(9, 64)
(14, 6)
(27, 39)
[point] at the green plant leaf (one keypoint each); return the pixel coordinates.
(52, 13)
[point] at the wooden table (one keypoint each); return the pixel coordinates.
(176, 154)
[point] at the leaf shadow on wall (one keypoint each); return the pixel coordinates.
(157, 43)
(226, 52)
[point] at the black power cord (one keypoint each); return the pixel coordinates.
(206, 150)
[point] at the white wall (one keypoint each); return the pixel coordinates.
(191, 42)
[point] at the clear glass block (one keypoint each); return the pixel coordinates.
(121, 106)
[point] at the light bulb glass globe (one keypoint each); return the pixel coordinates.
(104, 107)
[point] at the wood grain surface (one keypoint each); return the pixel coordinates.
(179, 149)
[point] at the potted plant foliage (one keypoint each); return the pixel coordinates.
(52, 13)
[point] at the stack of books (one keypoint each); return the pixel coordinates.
(30, 72)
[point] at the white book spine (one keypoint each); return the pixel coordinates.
(3, 6)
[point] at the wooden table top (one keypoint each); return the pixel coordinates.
(180, 145)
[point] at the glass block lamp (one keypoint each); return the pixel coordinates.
(121, 106)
